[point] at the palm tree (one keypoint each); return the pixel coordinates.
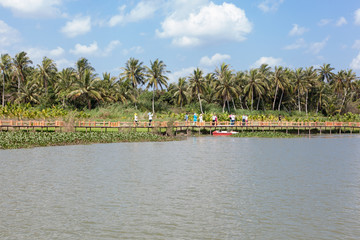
(47, 71)
(29, 92)
(279, 79)
(225, 86)
(254, 85)
(86, 87)
(64, 84)
(156, 77)
(197, 84)
(21, 63)
(300, 83)
(134, 71)
(179, 91)
(107, 87)
(326, 73)
(310, 76)
(81, 65)
(5, 65)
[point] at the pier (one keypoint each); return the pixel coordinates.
(182, 127)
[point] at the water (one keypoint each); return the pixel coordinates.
(200, 188)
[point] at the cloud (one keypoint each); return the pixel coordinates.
(300, 43)
(324, 22)
(356, 44)
(85, 50)
(133, 50)
(357, 17)
(143, 10)
(270, 5)
(63, 63)
(33, 8)
(272, 62)
(184, 72)
(210, 23)
(8, 35)
(78, 26)
(316, 47)
(341, 21)
(37, 54)
(214, 60)
(355, 63)
(297, 31)
(93, 49)
(56, 52)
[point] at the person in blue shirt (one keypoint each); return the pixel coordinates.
(195, 118)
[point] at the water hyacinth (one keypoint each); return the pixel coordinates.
(265, 134)
(20, 139)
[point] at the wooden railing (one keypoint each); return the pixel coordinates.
(118, 124)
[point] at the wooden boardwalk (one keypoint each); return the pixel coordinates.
(178, 126)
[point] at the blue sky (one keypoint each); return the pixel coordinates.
(184, 34)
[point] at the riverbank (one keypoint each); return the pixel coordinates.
(265, 134)
(20, 139)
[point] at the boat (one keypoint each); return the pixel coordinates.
(223, 133)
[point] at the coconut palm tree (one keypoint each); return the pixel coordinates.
(300, 84)
(47, 71)
(21, 63)
(63, 86)
(326, 73)
(311, 77)
(279, 79)
(5, 65)
(86, 88)
(81, 65)
(134, 71)
(225, 85)
(29, 92)
(156, 77)
(179, 91)
(254, 85)
(197, 85)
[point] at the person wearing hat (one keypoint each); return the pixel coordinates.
(136, 119)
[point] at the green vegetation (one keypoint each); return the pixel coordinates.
(265, 134)
(262, 93)
(21, 139)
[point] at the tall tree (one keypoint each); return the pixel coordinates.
(66, 79)
(86, 87)
(47, 72)
(225, 87)
(134, 72)
(5, 66)
(326, 73)
(179, 91)
(156, 77)
(21, 63)
(197, 84)
(254, 85)
(279, 79)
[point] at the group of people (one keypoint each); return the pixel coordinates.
(150, 115)
(195, 118)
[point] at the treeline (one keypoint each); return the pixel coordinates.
(147, 87)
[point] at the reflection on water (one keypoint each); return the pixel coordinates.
(200, 188)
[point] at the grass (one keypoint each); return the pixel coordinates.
(21, 139)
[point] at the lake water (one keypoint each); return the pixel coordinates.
(199, 188)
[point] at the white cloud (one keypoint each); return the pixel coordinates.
(270, 5)
(297, 31)
(8, 35)
(37, 54)
(356, 44)
(133, 50)
(85, 50)
(184, 72)
(56, 52)
(63, 63)
(212, 22)
(33, 8)
(143, 10)
(272, 62)
(341, 21)
(93, 49)
(324, 22)
(214, 60)
(300, 43)
(355, 63)
(78, 26)
(357, 17)
(316, 47)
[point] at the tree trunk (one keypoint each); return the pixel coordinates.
(252, 101)
(45, 85)
(89, 104)
(228, 105)
(276, 90)
(258, 103)
(224, 106)
(299, 100)
(200, 103)
(282, 94)
(241, 104)
(153, 102)
(3, 91)
(233, 103)
(306, 102)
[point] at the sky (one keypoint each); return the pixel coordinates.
(184, 34)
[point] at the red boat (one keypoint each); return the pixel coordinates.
(223, 133)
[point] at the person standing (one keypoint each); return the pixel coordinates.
(213, 118)
(195, 118)
(186, 118)
(150, 118)
(201, 118)
(232, 119)
(243, 120)
(135, 119)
